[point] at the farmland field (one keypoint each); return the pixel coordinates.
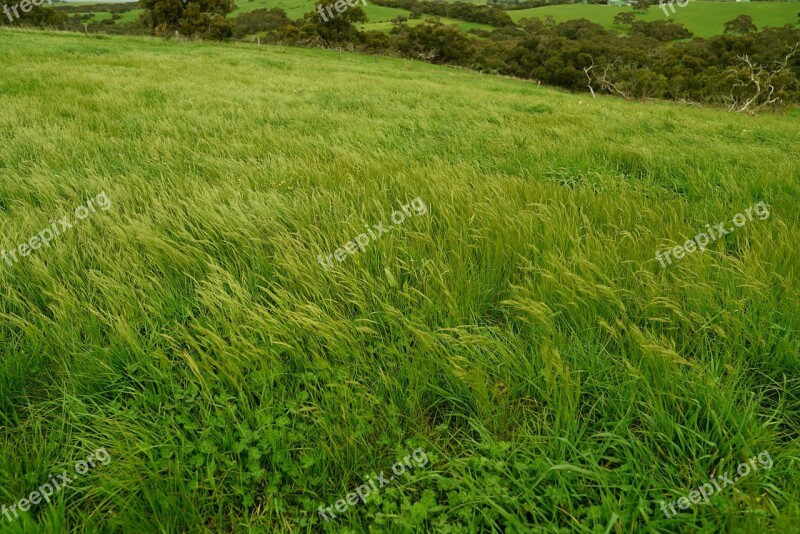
(704, 19)
(378, 17)
(519, 332)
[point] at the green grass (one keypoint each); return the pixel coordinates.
(704, 19)
(294, 9)
(100, 15)
(130, 16)
(387, 25)
(521, 332)
(127, 16)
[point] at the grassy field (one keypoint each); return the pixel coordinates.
(131, 16)
(704, 19)
(520, 333)
(386, 24)
(378, 17)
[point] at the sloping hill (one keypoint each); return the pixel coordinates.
(518, 333)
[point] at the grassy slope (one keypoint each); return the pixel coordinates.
(704, 19)
(101, 15)
(521, 332)
(131, 16)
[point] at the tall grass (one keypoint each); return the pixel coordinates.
(521, 333)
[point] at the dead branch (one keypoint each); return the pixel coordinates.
(758, 81)
(589, 77)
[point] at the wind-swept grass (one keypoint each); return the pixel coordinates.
(521, 333)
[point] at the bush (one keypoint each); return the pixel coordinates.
(434, 42)
(260, 20)
(203, 18)
(740, 25)
(37, 16)
(661, 30)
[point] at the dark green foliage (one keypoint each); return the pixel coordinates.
(434, 42)
(579, 29)
(644, 65)
(207, 26)
(624, 19)
(201, 18)
(260, 20)
(312, 30)
(661, 30)
(740, 25)
(37, 16)
(376, 42)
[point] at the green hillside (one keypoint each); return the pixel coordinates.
(131, 16)
(704, 19)
(518, 332)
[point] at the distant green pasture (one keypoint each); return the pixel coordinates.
(704, 19)
(130, 16)
(379, 17)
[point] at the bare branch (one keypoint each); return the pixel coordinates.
(589, 77)
(758, 82)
